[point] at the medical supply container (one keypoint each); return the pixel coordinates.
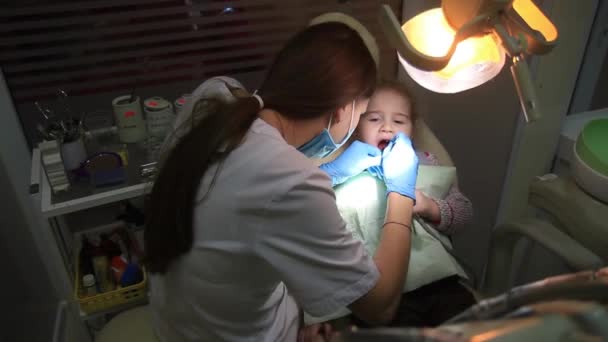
(159, 118)
(129, 119)
(117, 296)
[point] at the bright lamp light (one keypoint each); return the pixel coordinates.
(475, 61)
(463, 44)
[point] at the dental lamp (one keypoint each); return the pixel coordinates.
(463, 44)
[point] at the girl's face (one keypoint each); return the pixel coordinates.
(388, 113)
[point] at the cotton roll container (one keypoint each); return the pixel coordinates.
(159, 116)
(180, 102)
(129, 119)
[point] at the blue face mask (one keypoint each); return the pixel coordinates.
(323, 144)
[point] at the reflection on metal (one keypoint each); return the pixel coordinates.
(147, 171)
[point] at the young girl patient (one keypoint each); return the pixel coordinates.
(391, 110)
(433, 291)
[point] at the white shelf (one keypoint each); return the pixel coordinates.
(80, 196)
(53, 205)
(50, 209)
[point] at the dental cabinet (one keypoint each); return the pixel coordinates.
(86, 209)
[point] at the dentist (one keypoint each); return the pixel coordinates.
(242, 229)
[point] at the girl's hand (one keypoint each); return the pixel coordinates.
(426, 207)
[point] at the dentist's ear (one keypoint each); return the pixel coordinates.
(343, 113)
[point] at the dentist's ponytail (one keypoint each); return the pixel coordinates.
(321, 69)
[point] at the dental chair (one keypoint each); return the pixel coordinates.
(425, 140)
(573, 226)
(133, 325)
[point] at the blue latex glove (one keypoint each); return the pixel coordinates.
(399, 167)
(354, 160)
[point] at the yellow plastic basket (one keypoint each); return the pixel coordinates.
(109, 299)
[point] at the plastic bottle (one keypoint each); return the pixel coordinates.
(88, 285)
(119, 264)
(101, 267)
(132, 275)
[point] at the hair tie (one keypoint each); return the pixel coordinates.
(258, 98)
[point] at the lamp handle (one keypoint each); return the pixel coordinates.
(525, 89)
(537, 43)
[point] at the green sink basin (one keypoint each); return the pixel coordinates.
(592, 145)
(590, 165)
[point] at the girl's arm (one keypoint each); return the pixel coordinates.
(450, 214)
(456, 211)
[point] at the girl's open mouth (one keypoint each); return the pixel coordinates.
(382, 144)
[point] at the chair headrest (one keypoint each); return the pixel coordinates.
(425, 140)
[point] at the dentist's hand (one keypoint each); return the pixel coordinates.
(355, 159)
(399, 167)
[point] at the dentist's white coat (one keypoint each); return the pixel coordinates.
(267, 236)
